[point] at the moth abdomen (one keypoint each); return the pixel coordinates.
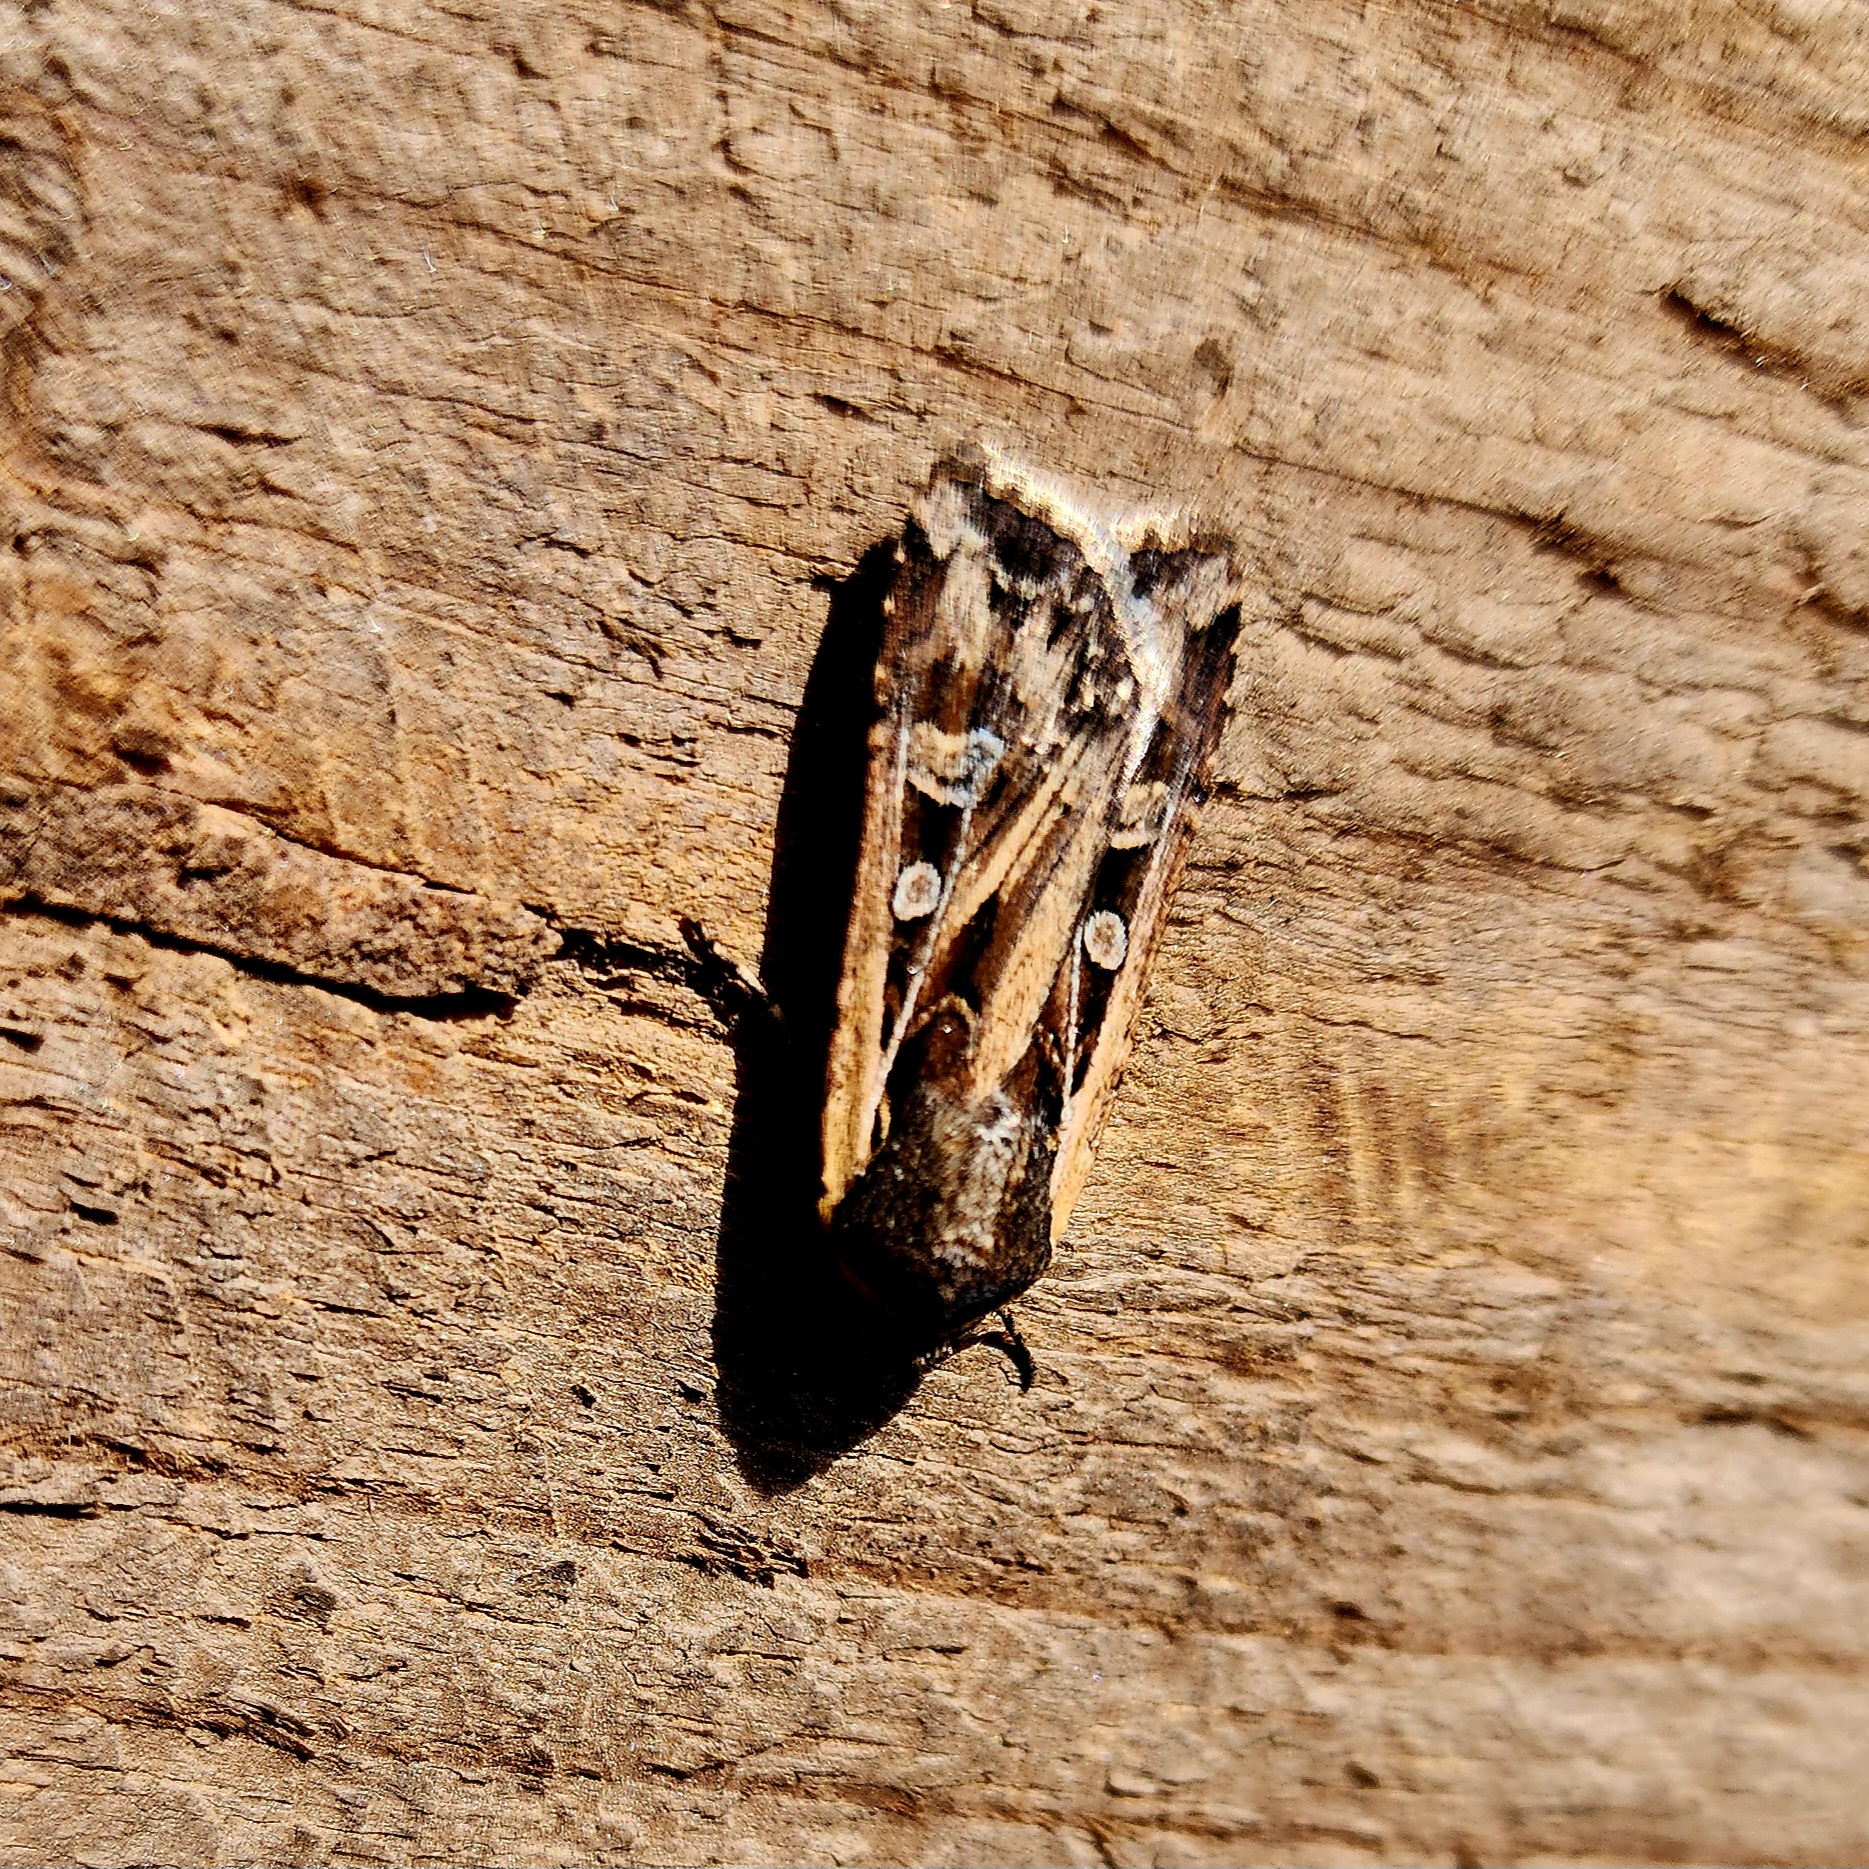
(951, 1217)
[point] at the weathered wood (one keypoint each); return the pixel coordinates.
(435, 442)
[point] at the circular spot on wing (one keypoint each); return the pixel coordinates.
(1106, 940)
(918, 889)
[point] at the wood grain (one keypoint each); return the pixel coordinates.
(440, 452)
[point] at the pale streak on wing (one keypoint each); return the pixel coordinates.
(1070, 1021)
(1013, 1000)
(854, 1071)
(984, 872)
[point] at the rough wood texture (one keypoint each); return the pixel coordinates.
(435, 440)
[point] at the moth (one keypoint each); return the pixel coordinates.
(1049, 692)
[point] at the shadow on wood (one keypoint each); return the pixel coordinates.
(807, 1369)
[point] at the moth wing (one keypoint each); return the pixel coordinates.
(1185, 743)
(987, 774)
(854, 1069)
(1024, 689)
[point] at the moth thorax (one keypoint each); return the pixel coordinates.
(1106, 940)
(918, 892)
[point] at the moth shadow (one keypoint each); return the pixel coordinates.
(805, 1371)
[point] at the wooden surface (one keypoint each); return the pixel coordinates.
(437, 441)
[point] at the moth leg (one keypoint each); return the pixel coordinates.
(729, 988)
(1015, 1347)
(1007, 1341)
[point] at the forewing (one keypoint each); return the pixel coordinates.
(1195, 594)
